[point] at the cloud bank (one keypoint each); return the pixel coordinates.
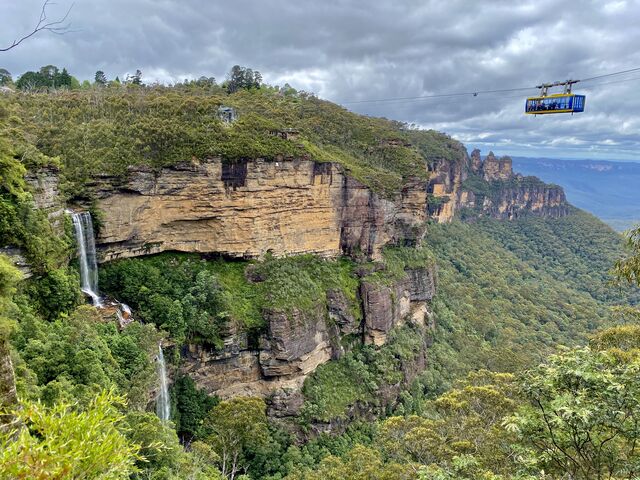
(349, 51)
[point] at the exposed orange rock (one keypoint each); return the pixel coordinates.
(497, 168)
(288, 207)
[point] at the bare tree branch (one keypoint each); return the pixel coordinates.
(59, 27)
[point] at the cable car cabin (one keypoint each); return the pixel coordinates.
(558, 103)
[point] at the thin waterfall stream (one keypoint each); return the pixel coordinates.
(163, 405)
(83, 227)
(87, 259)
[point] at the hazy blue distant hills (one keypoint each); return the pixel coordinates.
(610, 190)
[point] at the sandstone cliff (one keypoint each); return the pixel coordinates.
(287, 207)
(523, 196)
(296, 343)
(493, 190)
(251, 208)
(475, 187)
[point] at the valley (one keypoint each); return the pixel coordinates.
(305, 292)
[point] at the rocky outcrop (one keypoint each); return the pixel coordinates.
(384, 307)
(44, 185)
(295, 343)
(476, 162)
(521, 197)
(445, 188)
(340, 313)
(251, 208)
(388, 305)
(497, 168)
(17, 258)
(493, 190)
(490, 188)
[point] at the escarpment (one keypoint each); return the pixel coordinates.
(251, 208)
(505, 195)
(256, 208)
(247, 210)
(490, 188)
(296, 341)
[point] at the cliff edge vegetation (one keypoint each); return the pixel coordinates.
(365, 351)
(107, 130)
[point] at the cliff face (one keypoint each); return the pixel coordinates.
(299, 206)
(490, 188)
(289, 207)
(46, 195)
(249, 209)
(520, 198)
(495, 168)
(493, 190)
(296, 343)
(445, 188)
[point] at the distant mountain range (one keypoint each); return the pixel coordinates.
(608, 189)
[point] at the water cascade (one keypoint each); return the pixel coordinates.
(124, 314)
(87, 255)
(163, 407)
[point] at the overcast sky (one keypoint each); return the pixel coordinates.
(348, 50)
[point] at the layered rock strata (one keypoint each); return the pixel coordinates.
(490, 188)
(296, 343)
(46, 194)
(251, 208)
(523, 197)
(506, 195)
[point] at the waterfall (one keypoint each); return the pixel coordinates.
(83, 227)
(163, 407)
(124, 314)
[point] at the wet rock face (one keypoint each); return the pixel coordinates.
(250, 208)
(234, 174)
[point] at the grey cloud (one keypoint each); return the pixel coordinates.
(349, 50)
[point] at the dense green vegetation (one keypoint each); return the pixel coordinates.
(499, 398)
(20, 224)
(510, 292)
(105, 129)
(575, 416)
(194, 299)
(359, 378)
(578, 250)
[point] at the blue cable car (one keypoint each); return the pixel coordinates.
(545, 104)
